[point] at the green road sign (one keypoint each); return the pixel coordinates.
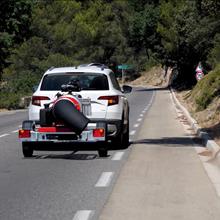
(124, 67)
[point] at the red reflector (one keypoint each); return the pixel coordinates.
(99, 132)
(112, 100)
(36, 100)
(54, 129)
(24, 133)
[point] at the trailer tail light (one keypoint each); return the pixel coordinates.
(36, 100)
(24, 133)
(99, 132)
(112, 100)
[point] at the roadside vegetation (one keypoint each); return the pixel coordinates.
(38, 34)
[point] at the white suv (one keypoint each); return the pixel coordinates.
(102, 115)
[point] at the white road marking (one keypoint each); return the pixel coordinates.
(141, 115)
(132, 132)
(19, 126)
(139, 119)
(136, 125)
(83, 215)
(3, 135)
(143, 111)
(104, 179)
(15, 131)
(118, 155)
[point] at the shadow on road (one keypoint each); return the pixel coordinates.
(151, 89)
(213, 131)
(171, 141)
(71, 156)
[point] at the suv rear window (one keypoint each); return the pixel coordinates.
(88, 81)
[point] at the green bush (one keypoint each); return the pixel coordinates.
(9, 100)
(207, 89)
(14, 89)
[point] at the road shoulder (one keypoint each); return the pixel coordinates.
(163, 177)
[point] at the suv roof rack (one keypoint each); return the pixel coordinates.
(102, 66)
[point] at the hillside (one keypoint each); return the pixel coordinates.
(203, 101)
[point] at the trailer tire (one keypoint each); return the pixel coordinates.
(27, 150)
(103, 153)
(125, 140)
(122, 140)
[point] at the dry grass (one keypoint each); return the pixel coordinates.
(154, 77)
(208, 119)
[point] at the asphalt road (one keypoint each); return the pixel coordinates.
(60, 185)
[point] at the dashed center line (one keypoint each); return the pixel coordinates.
(141, 115)
(136, 125)
(139, 119)
(3, 135)
(118, 155)
(105, 179)
(83, 215)
(15, 131)
(132, 132)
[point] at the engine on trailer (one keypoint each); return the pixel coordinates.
(66, 110)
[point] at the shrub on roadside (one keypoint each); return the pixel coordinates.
(9, 100)
(207, 89)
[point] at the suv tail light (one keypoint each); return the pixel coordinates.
(24, 133)
(112, 100)
(36, 100)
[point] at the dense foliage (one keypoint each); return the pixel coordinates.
(38, 34)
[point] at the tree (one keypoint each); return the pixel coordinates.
(14, 22)
(187, 36)
(142, 31)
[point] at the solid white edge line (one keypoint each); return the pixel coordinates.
(3, 135)
(136, 125)
(118, 155)
(83, 215)
(104, 179)
(132, 132)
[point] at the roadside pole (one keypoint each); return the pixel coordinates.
(124, 67)
(122, 76)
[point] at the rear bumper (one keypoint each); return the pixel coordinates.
(112, 129)
(113, 126)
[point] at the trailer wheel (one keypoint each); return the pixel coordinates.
(103, 153)
(27, 150)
